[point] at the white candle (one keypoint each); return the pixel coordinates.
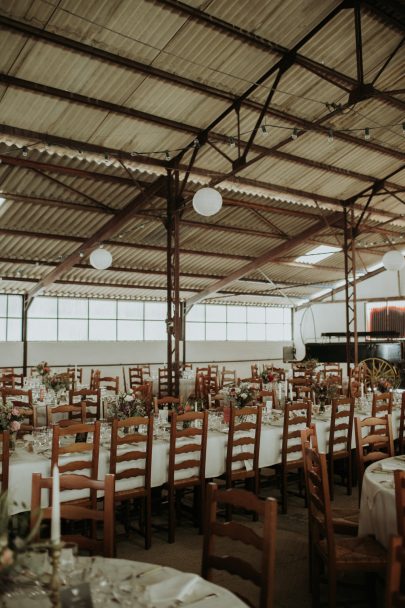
(279, 392)
(75, 372)
(291, 393)
(55, 521)
(362, 390)
(285, 387)
(195, 406)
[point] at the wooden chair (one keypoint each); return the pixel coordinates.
(81, 453)
(187, 454)
(382, 404)
(75, 413)
(77, 374)
(333, 370)
(228, 377)
(340, 439)
(185, 366)
(68, 378)
(94, 379)
(12, 380)
(110, 383)
(91, 398)
(22, 401)
(401, 438)
(124, 467)
(135, 376)
(214, 369)
(279, 372)
(70, 511)
(5, 460)
(297, 417)
(145, 369)
(373, 446)
(301, 391)
(236, 531)
(394, 587)
(336, 554)
(242, 457)
(168, 402)
(163, 382)
(144, 392)
(254, 370)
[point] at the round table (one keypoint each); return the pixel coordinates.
(120, 582)
(377, 508)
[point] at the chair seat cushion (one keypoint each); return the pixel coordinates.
(345, 521)
(358, 551)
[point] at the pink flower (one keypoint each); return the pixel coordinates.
(7, 558)
(15, 412)
(15, 425)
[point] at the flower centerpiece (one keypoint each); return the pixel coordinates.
(383, 385)
(126, 405)
(57, 382)
(43, 369)
(268, 376)
(9, 417)
(239, 396)
(325, 392)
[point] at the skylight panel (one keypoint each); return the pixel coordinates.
(318, 254)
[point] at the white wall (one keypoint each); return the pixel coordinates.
(311, 322)
(238, 355)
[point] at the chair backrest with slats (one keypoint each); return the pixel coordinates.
(165, 401)
(12, 380)
(135, 376)
(188, 446)
(110, 383)
(91, 399)
(235, 532)
(254, 370)
(319, 509)
(79, 513)
(382, 404)
(131, 440)
(297, 417)
(77, 373)
(341, 426)
(144, 392)
(242, 459)
(76, 448)
(5, 460)
(301, 391)
(94, 379)
(145, 369)
(228, 377)
(371, 445)
(75, 414)
(163, 382)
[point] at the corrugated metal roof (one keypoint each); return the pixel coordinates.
(61, 193)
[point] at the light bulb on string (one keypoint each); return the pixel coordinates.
(294, 134)
(367, 135)
(207, 201)
(330, 136)
(263, 129)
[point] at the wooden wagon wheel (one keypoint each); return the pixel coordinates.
(376, 370)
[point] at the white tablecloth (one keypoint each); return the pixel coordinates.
(377, 508)
(116, 582)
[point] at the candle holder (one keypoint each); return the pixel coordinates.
(55, 584)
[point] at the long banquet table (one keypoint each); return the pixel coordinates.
(24, 463)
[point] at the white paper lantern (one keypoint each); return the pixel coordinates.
(100, 259)
(393, 260)
(207, 201)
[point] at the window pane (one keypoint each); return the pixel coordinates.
(14, 330)
(102, 309)
(197, 313)
(70, 329)
(3, 306)
(15, 306)
(195, 331)
(215, 331)
(2, 329)
(130, 310)
(215, 312)
(236, 331)
(155, 310)
(274, 315)
(155, 330)
(256, 314)
(287, 332)
(236, 314)
(71, 308)
(256, 331)
(275, 331)
(102, 330)
(287, 315)
(43, 307)
(130, 330)
(42, 330)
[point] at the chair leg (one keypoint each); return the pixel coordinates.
(148, 521)
(284, 491)
(349, 475)
(331, 478)
(331, 591)
(315, 579)
(172, 513)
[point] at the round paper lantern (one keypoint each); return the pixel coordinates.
(393, 260)
(100, 259)
(207, 201)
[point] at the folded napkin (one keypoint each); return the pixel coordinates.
(392, 464)
(178, 587)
